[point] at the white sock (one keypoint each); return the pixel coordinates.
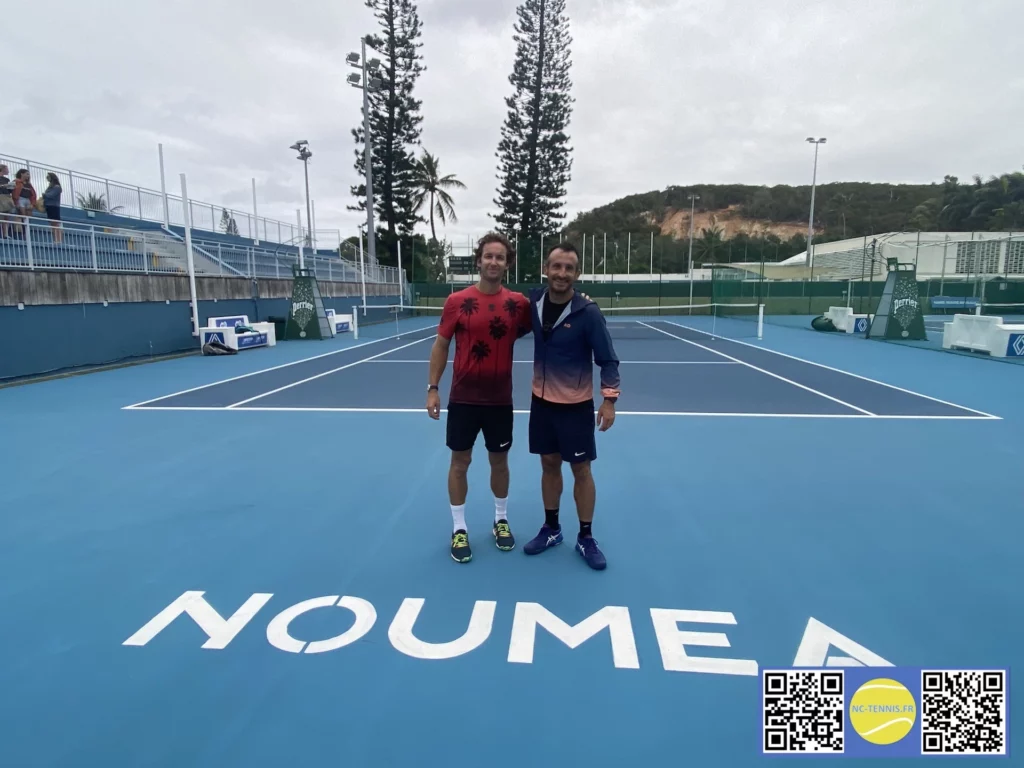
(458, 517)
(500, 509)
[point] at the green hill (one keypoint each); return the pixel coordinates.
(735, 222)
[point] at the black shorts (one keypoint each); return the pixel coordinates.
(466, 421)
(565, 429)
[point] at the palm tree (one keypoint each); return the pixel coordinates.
(427, 181)
(94, 202)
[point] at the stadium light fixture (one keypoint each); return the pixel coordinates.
(366, 84)
(302, 147)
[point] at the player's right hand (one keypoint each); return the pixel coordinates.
(434, 404)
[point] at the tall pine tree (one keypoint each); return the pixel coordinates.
(394, 122)
(534, 152)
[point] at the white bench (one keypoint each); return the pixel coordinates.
(223, 329)
(844, 319)
(984, 333)
(339, 323)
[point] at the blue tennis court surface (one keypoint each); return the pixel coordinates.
(243, 561)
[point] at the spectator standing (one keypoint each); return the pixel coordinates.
(6, 202)
(24, 194)
(51, 201)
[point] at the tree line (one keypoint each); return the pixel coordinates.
(534, 156)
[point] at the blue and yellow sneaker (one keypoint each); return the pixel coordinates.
(503, 538)
(461, 553)
(589, 551)
(547, 538)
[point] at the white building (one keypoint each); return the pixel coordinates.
(954, 255)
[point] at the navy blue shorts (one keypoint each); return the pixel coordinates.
(565, 429)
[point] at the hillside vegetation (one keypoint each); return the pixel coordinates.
(733, 221)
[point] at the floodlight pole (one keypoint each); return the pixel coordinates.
(368, 151)
(693, 198)
(810, 221)
(810, 224)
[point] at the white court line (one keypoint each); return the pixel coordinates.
(855, 375)
(267, 370)
(762, 370)
(293, 409)
(326, 373)
(621, 362)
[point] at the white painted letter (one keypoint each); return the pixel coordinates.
(277, 630)
(531, 615)
(219, 631)
(401, 636)
(672, 641)
(813, 650)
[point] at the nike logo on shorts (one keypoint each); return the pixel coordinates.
(581, 453)
(504, 444)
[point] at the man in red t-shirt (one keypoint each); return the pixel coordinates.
(485, 320)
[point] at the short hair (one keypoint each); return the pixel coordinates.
(566, 246)
(494, 237)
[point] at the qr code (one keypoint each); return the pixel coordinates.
(963, 712)
(803, 711)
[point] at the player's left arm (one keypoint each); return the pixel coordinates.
(605, 359)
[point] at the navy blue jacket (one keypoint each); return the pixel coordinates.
(563, 362)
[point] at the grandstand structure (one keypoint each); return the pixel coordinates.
(110, 226)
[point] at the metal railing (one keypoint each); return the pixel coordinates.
(86, 192)
(34, 243)
(257, 261)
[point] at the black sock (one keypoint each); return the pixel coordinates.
(551, 518)
(585, 528)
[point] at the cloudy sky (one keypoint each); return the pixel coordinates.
(666, 92)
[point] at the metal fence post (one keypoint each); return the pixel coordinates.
(28, 242)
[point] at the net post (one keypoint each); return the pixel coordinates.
(760, 321)
(355, 323)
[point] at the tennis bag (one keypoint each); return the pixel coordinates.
(822, 323)
(217, 347)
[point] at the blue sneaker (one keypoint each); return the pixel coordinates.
(547, 538)
(588, 549)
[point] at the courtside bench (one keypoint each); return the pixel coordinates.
(844, 319)
(338, 323)
(987, 334)
(225, 330)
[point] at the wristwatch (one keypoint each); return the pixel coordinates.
(431, 386)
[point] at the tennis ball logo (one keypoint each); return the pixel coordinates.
(882, 711)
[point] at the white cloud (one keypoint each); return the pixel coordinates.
(667, 92)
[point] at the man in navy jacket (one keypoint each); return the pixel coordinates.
(570, 337)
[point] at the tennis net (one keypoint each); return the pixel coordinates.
(1012, 314)
(695, 322)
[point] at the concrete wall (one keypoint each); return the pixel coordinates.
(64, 323)
(36, 287)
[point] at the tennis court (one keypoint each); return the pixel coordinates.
(244, 560)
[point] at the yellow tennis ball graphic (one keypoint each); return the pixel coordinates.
(882, 711)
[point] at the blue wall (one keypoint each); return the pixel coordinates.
(53, 338)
